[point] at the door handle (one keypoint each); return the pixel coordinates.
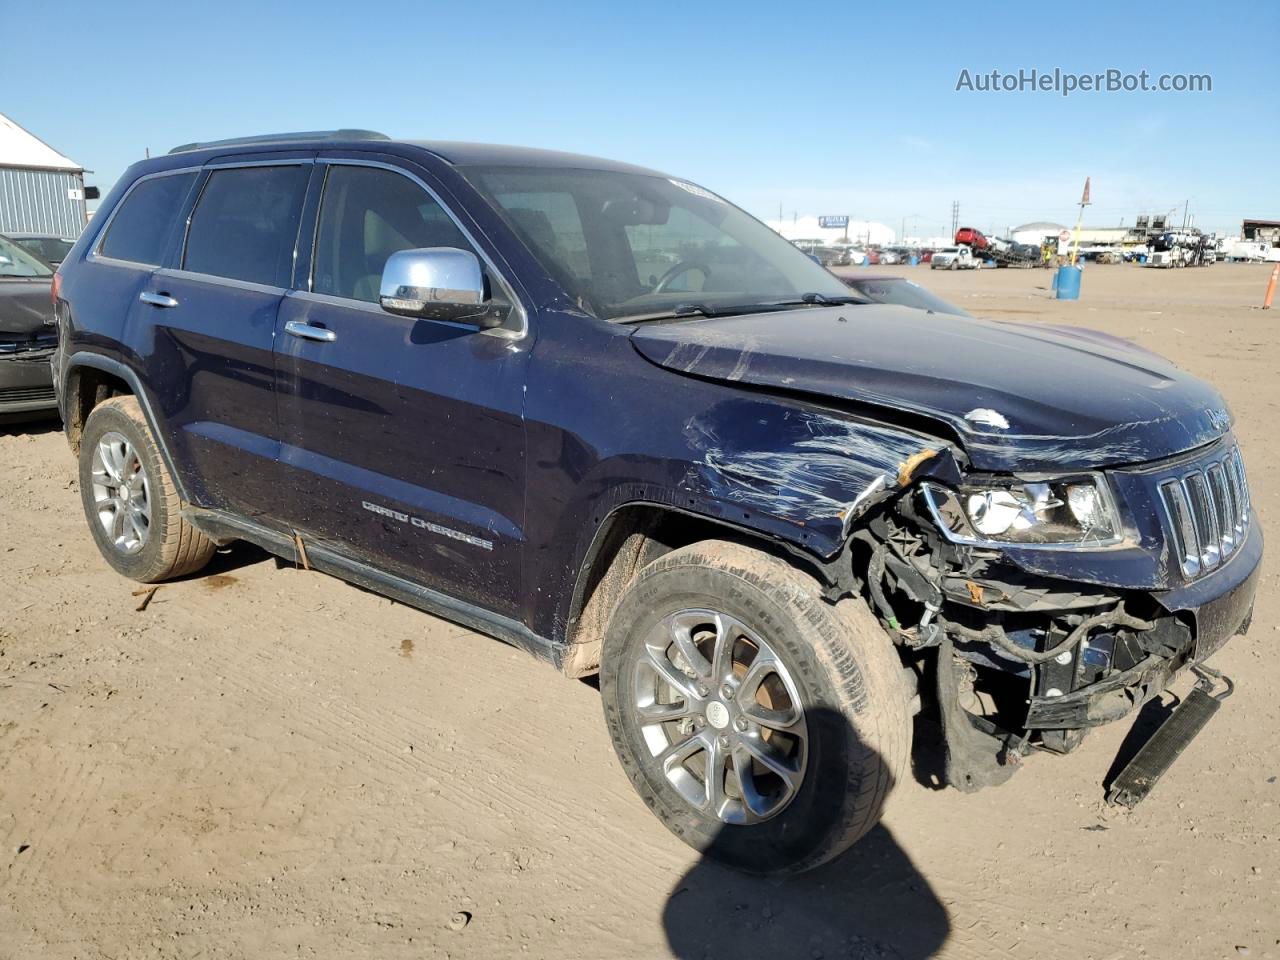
(157, 299)
(308, 332)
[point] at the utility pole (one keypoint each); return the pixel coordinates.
(955, 217)
(1084, 202)
(1184, 213)
(902, 238)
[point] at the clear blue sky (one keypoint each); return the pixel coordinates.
(835, 107)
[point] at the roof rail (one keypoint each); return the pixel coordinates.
(284, 138)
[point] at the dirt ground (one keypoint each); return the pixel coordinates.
(268, 762)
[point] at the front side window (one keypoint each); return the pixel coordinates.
(629, 244)
(16, 262)
(143, 223)
(245, 224)
(366, 215)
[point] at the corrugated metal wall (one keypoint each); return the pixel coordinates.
(40, 201)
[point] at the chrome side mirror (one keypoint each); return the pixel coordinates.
(438, 283)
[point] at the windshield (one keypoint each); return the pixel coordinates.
(48, 249)
(626, 244)
(16, 262)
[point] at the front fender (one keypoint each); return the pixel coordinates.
(805, 471)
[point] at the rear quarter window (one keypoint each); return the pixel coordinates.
(143, 224)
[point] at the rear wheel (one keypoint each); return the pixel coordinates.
(763, 725)
(129, 498)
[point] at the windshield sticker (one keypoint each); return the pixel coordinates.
(695, 190)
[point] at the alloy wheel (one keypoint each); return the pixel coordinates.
(121, 493)
(720, 712)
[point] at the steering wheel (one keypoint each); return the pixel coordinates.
(684, 266)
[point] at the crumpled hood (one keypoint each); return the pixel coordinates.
(1020, 396)
(25, 308)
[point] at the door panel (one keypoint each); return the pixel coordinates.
(403, 438)
(207, 328)
(404, 442)
(209, 358)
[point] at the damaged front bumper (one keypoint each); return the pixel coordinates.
(1061, 640)
(1214, 610)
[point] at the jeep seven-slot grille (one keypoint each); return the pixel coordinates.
(1208, 512)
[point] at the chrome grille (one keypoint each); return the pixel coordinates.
(1208, 511)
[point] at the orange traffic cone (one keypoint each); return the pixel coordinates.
(1271, 288)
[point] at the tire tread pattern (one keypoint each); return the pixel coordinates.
(864, 679)
(182, 549)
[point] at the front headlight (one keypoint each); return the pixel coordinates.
(1078, 511)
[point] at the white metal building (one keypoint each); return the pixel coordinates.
(1035, 233)
(41, 191)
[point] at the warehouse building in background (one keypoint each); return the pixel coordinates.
(41, 191)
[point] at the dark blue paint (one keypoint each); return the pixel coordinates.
(772, 423)
(1069, 402)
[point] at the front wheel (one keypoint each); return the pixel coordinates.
(763, 725)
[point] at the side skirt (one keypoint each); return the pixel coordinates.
(222, 528)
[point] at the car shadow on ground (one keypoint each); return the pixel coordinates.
(227, 560)
(870, 903)
(28, 424)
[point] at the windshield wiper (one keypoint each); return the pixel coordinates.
(804, 300)
(737, 309)
(822, 300)
(675, 313)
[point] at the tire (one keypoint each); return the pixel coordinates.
(840, 666)
(160, 545)
(952, 266)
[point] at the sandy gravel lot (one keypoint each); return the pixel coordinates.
(267, 762)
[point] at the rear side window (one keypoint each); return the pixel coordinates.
(142, 225)
(245, 224)
(366, 215)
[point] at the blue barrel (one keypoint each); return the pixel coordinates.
(915, 261)
(864, 260)
(1066, 283)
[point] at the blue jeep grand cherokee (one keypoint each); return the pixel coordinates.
(602, 414)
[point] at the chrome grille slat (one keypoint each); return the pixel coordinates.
(1224, 511)
(1207, 512)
